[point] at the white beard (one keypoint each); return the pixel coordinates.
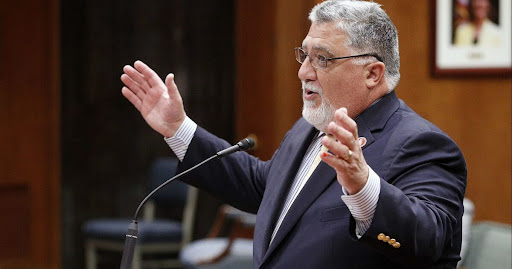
(321, 116)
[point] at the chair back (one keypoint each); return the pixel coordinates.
(159, 239)
(174, 193)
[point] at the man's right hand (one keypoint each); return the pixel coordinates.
(159, 103)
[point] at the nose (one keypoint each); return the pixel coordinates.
(306, 71)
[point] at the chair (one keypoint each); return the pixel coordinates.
(157, 238)
(489, 246)
(231, 252)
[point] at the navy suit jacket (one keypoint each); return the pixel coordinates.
(422, 175)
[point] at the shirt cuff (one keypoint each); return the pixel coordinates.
(362, 205)
(181, 140)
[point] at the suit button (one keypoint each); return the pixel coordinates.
(381, 236)
(396, 245)
(386, 239)
(392, 241)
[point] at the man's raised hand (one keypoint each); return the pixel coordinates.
(159, 103)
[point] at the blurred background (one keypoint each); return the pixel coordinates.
(72, 148)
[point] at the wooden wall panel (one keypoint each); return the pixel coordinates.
(255, 75)
(476, 112)
(29, 135)
(291, 28)
(268, 91)
(15, 216)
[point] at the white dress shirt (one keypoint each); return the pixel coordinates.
(361, 205)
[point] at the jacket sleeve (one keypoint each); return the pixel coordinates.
(238, 179)
(420, 203)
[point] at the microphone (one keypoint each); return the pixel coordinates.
(243, 145)
(131, 236)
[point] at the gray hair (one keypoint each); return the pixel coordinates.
(369, 30)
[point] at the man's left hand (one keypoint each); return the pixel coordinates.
(345, 154)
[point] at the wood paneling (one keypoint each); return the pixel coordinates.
(476, 112)
(29, 136)
(15, 215)
(268, 98)
(255, 75)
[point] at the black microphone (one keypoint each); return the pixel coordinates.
(131, 236)
(243, 145)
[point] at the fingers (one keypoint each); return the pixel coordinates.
(133, 86)
(341, 117)
(345, 155)
(341, 134)
(135, 77)
(132, 97)
(344, 129)
(171, 85)
(333, 160)
(148, 74)
(337, 150)
(140, 78)
(139, 81)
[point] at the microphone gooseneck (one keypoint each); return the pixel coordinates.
(169, 181)
(243, 145)
(131, 236)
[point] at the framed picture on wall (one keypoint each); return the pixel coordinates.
(472, 37)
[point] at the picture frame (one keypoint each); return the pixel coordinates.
(459, 50)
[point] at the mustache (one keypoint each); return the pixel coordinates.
(306, 85)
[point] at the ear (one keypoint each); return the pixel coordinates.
(374, 74)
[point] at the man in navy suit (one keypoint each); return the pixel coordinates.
(361, 181)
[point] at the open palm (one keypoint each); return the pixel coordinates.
(159, 103)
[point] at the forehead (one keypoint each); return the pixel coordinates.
(324, 36)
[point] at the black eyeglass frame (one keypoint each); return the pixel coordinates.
(334, 58)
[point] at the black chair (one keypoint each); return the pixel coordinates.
(157, 237)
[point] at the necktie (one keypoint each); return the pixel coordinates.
(315, 162)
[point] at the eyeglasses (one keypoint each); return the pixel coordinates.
(320, 61)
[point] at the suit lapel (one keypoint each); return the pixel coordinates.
(316, 184)
(364, 131)
(376, 116)
(278, 184)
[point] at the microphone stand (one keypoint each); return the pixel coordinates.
(131, 235)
